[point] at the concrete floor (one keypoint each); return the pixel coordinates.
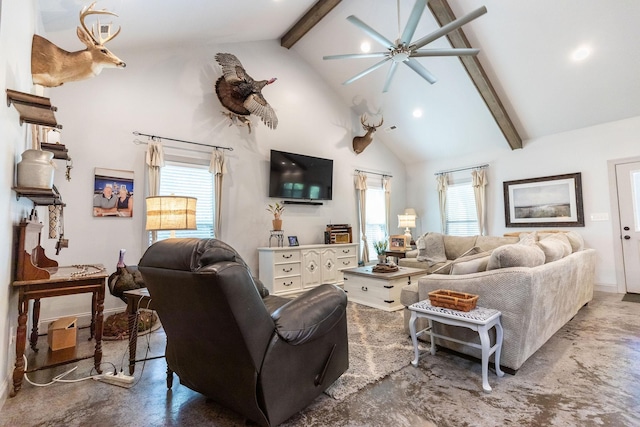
(588, 374)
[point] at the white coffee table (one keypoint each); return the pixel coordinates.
(479, 319)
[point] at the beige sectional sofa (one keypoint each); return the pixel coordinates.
(538, 281)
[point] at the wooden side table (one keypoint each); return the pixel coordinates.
(479, 319)
(61, 281)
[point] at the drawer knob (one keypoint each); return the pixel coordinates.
(287, 270)
(285, 256)
(346, 262)
(288, 284)
(365, 289)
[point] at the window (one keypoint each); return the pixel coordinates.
(188, 178)
(376, 228)
(461, 215)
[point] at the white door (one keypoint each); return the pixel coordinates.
(628, 182)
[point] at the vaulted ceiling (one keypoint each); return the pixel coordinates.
(525, 47)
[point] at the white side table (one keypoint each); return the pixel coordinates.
(479, 319)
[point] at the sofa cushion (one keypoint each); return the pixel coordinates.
(471, 264)
(576, 240)
(528, 238)
(431, 248)
(489, 243)
(553, 249)
(564, 241)
(456, 246)
(516, 255)
(468, 255)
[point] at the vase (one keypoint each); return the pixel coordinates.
(382, 258)
(277, 224)
(36, 169)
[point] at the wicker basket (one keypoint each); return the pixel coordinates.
(453, 300)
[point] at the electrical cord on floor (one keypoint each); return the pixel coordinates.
(58, 378)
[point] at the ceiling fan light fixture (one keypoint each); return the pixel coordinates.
(365, 47)
(581, 53)
(417, 113)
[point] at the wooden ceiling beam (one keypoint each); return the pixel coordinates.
(443, 14)
(318, 11)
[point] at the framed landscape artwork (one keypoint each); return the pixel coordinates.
(551, 201)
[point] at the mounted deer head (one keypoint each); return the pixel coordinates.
(52, 66)
(362, 142)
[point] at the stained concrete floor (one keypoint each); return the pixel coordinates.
(587, 374)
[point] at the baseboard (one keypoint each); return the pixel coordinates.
(603, 287)
(84, 319)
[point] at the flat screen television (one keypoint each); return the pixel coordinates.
(300, 177)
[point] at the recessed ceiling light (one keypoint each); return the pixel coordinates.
(365, 47)
(581, 53)
(417, 113)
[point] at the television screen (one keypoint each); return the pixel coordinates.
(295, 176)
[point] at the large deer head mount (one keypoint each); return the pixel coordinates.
(52, 66)
(362, 142)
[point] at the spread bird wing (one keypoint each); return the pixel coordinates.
(261, 108)
(232, 69)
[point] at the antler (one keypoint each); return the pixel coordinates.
(363, 120)
(86, 11)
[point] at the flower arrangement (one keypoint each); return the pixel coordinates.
(276, 209)
(380, 246)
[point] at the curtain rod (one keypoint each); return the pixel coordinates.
(486, 165)
(155, 137)
(375, 173)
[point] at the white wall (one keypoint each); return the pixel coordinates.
(584, 150)
(17, 24)
(171, 93)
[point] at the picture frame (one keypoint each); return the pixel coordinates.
(113, 193)
(550, 201)
(293, 240)
(397, 242)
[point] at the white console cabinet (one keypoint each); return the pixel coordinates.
(291, 270)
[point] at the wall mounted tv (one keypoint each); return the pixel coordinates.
(300, 177)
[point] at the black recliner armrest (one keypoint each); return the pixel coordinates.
(311, 315)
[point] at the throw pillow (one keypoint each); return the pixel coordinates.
(562, 238)
(471, 254)
(433, 251)
(515, 255)
(576, 241)
(528, 238)
(472, 264)
(553, 249)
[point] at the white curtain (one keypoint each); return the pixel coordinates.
(361, 194)
(155, 161)
(442, 200)
(479, 183)
(218, 168)
(386, 184)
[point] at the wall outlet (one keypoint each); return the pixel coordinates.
(12, 336)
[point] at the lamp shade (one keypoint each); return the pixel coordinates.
(171, 213)
(406, 221)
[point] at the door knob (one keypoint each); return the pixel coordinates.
(627, 237)
(626, 229)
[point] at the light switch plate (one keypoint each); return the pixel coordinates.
(600, 216)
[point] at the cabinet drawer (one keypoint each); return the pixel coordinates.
(347, 262)
(346, 252)
(283, 270)
(286, 256)
(287, 284)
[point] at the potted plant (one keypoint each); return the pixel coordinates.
(381, 248)
(276, 209)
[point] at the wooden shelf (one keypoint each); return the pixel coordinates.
(59, 150)
(33, 109)
(39, 196)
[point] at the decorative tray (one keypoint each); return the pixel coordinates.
(453, 300)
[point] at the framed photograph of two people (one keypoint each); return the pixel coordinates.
(113, 193)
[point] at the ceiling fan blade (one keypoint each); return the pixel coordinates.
(412, 23)
(390, 74)
(451, 26)
(445, 52)
(365, 72)
(371, 32)
(357, 55)
(423, 72)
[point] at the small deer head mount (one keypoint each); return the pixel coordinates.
(362, 142)
(52, 66)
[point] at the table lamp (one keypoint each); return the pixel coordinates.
(171, 213)
(408, 221)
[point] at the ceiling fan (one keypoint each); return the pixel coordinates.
(403, 50)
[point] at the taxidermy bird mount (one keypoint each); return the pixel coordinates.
(362, 142)
(52, 66)
(403, 50)
(242, 95)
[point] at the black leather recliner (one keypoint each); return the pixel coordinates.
(264, 356)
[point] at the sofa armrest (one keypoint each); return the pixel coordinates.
(411, 254)
(311, 315)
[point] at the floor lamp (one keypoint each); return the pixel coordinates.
(171, 213)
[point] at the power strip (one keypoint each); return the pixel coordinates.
(119, 379)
